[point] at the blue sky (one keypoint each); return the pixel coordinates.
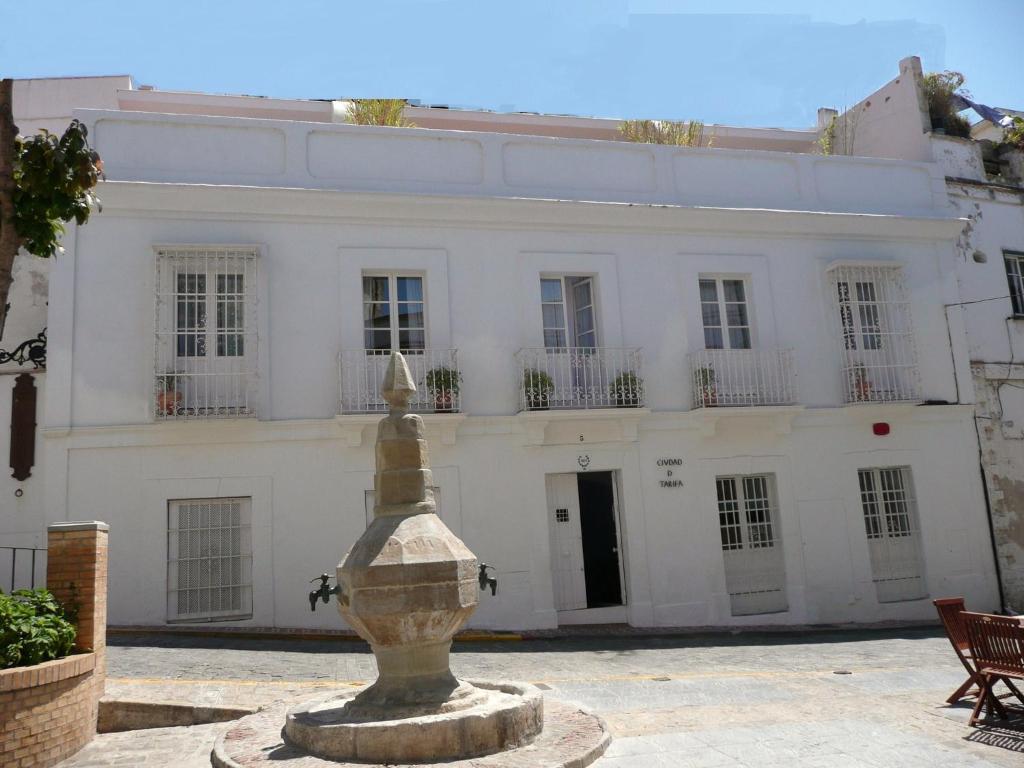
(725, 61)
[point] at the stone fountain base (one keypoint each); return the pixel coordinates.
(534, 732)
(498, 716)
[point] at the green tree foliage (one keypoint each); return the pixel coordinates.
(680, 134)
(34, 628)
(45, 181)
(939, 90)
(378, 112)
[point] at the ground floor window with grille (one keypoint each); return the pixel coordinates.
(209, 559)
(894, 538)
(748, 520)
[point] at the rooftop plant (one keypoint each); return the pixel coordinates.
(378, 112)
(1014, 136)
(939, 90)
(681, 134)
(34, 628)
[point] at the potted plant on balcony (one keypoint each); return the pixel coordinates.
(443, 383)
(537, 386)
(707, 390)
(627, 390)
(860, 384)
(167, 394)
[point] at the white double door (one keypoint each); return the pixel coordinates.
(583, 523)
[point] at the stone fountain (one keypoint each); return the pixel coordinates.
(407, 586)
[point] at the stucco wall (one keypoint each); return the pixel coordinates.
(307, 471)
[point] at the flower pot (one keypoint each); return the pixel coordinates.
(167, 402)
(708, 397)
(443, 402)
(627, 401)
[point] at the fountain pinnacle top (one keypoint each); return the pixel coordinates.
(398, 386)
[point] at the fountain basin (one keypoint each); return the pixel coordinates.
(505, 715)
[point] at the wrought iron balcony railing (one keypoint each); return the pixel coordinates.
(579, 377)
(741, 377)
(435, 371)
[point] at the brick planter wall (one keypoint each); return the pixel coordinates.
(48, 711)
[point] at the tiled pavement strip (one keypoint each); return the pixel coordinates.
(688, 701)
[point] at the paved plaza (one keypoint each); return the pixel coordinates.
(841, 699)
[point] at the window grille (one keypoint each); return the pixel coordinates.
(206, 340)
(562, 515)
(746, 512)
(890, 524)
(209, 559)
(875, 333)
(1015, 278)
(751, 547)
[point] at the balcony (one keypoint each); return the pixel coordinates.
(579, 378)
(435, 371)
(742, 377)
(868, 380)
(195, 391)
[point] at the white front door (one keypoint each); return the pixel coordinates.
(566, 542)
(755, 572)
(894, 541)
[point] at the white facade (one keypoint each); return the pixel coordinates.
(811, 470)
(986, 319)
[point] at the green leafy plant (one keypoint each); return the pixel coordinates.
(627, 389)
(939, 90)
(45, 181)
(827, 140)
(681, 134)
(443, 383)
(443, 380)
(538, 386)
(167, 382)
(34, 628)
(378, 112)
(1014, 136)
(707, 391)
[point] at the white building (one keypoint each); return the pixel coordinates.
(987, 318)
(742, 402)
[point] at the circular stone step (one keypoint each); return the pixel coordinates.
(571, 737)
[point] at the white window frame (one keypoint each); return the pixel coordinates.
(569, 310)
(892, 528)
(1014, 263)
(889, 512)
(723, 326)
(860, 314)
(209, 560)
(393, 302)
(736, 534)
(873, 321)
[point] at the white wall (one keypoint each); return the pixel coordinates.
(307, 470)
(222, 150)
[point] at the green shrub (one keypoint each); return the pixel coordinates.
(940, 89)
(680, 134)
(34, 628)
(378, 112)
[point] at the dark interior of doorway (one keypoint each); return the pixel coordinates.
(600, 541)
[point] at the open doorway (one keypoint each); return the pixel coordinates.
(585, 554)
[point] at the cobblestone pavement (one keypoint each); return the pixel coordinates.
(691, 701)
